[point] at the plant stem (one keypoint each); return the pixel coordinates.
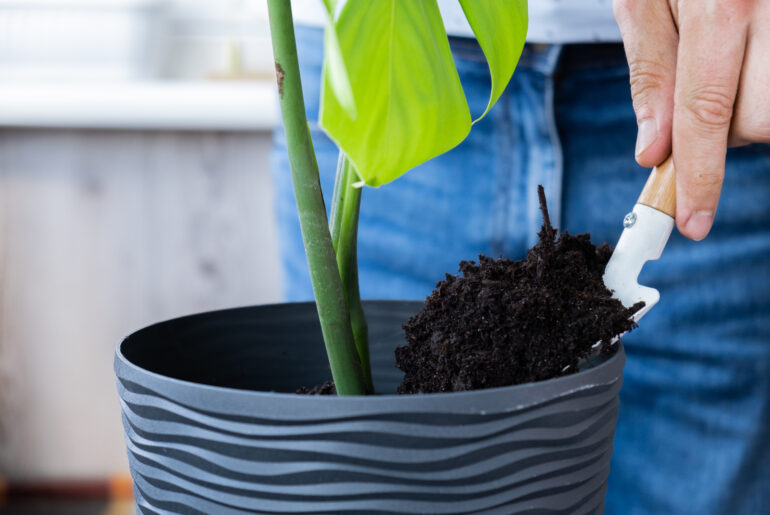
(327, 286)
(340, 177)
(346, 204)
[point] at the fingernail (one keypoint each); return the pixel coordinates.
(699, 224)
(646, 135)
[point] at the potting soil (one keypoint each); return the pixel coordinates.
(326, 388)
(502, 322)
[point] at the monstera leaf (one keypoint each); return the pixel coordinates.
(500, 28)
(402, 102)
(334, 64)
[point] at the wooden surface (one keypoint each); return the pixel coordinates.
(660, 190)
(101, 233)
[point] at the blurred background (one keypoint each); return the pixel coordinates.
(134, 187)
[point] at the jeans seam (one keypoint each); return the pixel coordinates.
(550, 176)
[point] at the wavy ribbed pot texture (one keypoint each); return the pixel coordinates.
(211, 427)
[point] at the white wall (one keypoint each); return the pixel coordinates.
(200, 37)
(107, 40)
(102, 232)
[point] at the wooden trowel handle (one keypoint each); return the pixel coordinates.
(660, 190)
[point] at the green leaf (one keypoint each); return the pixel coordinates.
(339, 80)
(500, 28)
(410, 103)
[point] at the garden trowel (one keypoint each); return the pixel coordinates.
(646, 231)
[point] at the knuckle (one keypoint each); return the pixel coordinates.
(622, 9)
(646, 80)
(724, 11)
(733, 9)
(627, 10)
(710, 106)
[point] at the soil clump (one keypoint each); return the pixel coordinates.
(503, 322)
(326, 388)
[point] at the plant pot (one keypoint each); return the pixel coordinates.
(211, 426)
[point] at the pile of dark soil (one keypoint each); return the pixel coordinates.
(326, 388)
(505, 322)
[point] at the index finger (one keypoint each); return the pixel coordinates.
(712, 40)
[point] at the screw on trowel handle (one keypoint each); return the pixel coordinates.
(660, 190)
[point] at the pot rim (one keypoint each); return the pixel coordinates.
(529, 394)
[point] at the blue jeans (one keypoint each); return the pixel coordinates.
(694, 428)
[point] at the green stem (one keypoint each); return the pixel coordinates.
(339, 189)
(346, 205)
(327, 286)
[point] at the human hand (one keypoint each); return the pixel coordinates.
(700, 71)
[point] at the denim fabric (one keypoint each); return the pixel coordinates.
(694, 428)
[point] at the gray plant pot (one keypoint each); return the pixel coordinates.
(212, 428)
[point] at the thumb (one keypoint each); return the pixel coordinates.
(650, 39)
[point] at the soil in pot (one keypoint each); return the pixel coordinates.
(504, 322)
(325, 388)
